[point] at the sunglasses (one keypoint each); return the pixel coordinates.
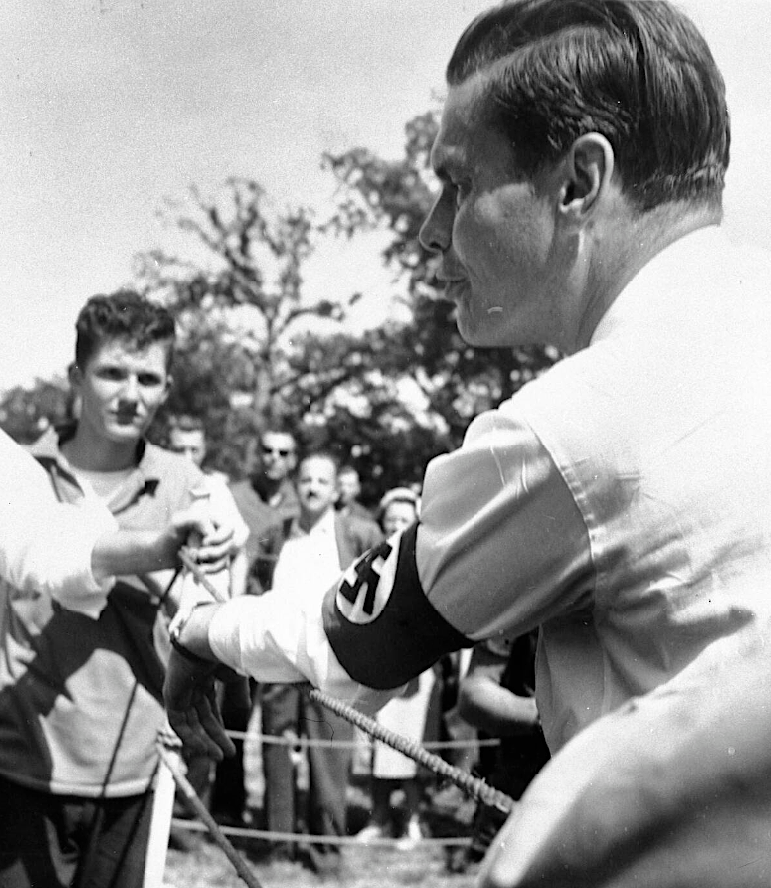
(276, 451)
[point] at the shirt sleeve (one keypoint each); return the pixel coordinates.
(46, 546)
(279, 637)
(500, 548)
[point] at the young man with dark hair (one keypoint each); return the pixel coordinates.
(80, 693)
(581, 154)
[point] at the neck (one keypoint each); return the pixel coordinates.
(267, 487)
(621, 252)
(86, 451)
(309, 520)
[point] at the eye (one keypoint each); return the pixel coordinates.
(462, 190)
(149, 380)
(112, 374)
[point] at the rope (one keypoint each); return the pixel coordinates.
(281, 740)
(473, 786)
(202, 811)
(248, 832)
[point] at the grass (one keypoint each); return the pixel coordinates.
(207, 866)
(204, 865)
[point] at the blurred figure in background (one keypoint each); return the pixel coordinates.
(406, 715)
(320, 544)
(267, 499)
(187, 436)
(497, 696)
(348, 493)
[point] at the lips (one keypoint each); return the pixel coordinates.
(126, 417)
(455, 289)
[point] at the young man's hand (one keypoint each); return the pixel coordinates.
(211, 546)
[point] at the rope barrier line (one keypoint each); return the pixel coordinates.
(350, 744)
(471, 785)
(247, 832)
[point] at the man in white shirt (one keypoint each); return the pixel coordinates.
(319, 544)
(582, 154)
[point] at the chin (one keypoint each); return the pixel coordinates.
(483, 335)
(122, 435)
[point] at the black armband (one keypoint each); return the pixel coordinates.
(379, 623)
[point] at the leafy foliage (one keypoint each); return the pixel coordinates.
(27, 411)
(250, 349)
(240, 313)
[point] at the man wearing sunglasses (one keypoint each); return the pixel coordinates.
(267, 501)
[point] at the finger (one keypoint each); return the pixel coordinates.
(185, 728)
(211, 722)
(202, 743)
(209, 552)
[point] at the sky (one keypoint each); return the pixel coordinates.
(110, 107)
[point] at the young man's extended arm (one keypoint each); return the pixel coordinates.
(70, 553)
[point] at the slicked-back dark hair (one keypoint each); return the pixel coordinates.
(636, 71)
(123, 315)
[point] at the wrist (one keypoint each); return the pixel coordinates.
(188, 631)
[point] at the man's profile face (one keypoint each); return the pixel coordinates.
(278, 455)
(316, 485)
(190, 443)
(493, 230)
(121, 388)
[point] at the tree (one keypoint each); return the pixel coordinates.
(27, 411)
(240, 307)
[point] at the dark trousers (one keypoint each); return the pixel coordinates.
(228, 797)
(50, 841)
(287, 707)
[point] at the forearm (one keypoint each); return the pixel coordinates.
(274, 640)
(496, 710)
(124, 552)
(48, 549)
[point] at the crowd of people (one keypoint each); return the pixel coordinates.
(602, 538)
(81, 687)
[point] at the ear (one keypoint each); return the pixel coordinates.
(167, 387)
(587, 171)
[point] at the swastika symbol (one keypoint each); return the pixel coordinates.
(366, 575)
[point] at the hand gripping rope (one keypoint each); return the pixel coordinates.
(473, 786)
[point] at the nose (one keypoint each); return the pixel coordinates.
(131, 388)
(436, 232)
